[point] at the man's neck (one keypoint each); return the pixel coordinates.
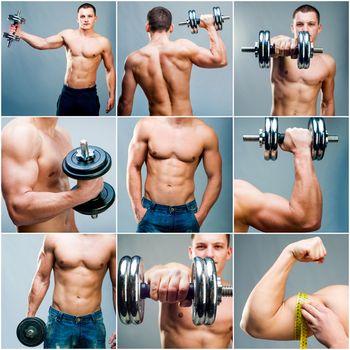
(86, 32)
(46, 124)
(159, 37)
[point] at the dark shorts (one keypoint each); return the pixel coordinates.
(164, 218)
(65, 331)
(78, 102)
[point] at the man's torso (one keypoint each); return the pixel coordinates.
(163, 71)
(84, 54)
(294, 90)
(173, 154)
(178, 331)
(81, 262)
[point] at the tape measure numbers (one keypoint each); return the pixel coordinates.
(300, 325)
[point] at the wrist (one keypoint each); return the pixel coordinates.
(302, 152)
(340, 343)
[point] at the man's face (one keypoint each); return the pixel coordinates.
(212, 246)
(306, 22)
(86, 18)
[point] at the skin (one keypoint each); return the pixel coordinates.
(172, 148)
(268, 315)
(169, 285)
(272, 213)
(79, 263)
(163, 70)
(84, 51)
(295, 91)
(35, 189)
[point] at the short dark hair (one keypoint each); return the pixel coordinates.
(228, 237)
(307, 8)
(86, 5)
(159, 19)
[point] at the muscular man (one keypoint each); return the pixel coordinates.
(84, 51)
(295, 91)
(273, 213)
(163, 67)
(35, 189)
(268, 315)
(172, 148)
(79, 263)
(169, 284)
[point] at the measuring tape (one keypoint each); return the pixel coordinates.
(300, 326)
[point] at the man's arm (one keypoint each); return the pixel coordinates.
(267, 314)
(112, 274)
(216, 55)
(213, 168)
(51, 42)
(128, 90)
(273, 213)
(136, 157)
(108, 62)
(327, 97)
(41, 280)
(20, 175)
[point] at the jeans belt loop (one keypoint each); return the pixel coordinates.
(93, 317)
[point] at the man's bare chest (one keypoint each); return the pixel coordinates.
(89, 48)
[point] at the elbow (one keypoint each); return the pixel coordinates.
(250, 328)
(18, 211)
(124, 107)
(308, 223)
(220, 61)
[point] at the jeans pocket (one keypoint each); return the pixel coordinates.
(144, 217)
(196, 222)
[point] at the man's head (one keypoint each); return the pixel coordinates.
(306, 18)
(86, 17)
(159, 19)
(215, 246)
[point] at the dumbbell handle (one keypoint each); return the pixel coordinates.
(256, 138)
(184, 23)
(226, 291)
(145, 291)
(248, 49)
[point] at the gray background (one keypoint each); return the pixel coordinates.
(278, 176)
(32, 79)
(219, 218)
(255, 254)
(19, 263)
(154, 250)
(98, 132)
(252, 84)
(211, 89)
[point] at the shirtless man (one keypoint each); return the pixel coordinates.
(34, 187)
(273, 213)
(84, 51)
(79, 263)
(163, 67)
(170, 283)
(172, 148)
(268, 315)
(295, 91)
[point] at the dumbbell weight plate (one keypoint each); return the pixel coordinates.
(99, 204)
(192, 20)
(78, 169)
(217, 18)
(304, 50)
(136, 305)
(123, 273)
(212, 288)
(271, 138)
(31, 331)
(322, 138)
(200, 291)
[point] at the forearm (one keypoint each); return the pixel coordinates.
(306, 199)
(217, 47)
(210, 195)
(267, 298)
(36, 207)
(327, 108)
(134, 183)
(111, 79)
(114, 298)
(36, 295)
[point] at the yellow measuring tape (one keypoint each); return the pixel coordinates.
(300, 326)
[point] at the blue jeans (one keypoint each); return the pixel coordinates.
(164, 218)
(75, 332)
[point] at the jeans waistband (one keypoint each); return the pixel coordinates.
(75, 319)
(73, 90)
(188, 207)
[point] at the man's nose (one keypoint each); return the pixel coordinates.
(210, 252)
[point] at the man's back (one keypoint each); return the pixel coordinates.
(163, 70)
